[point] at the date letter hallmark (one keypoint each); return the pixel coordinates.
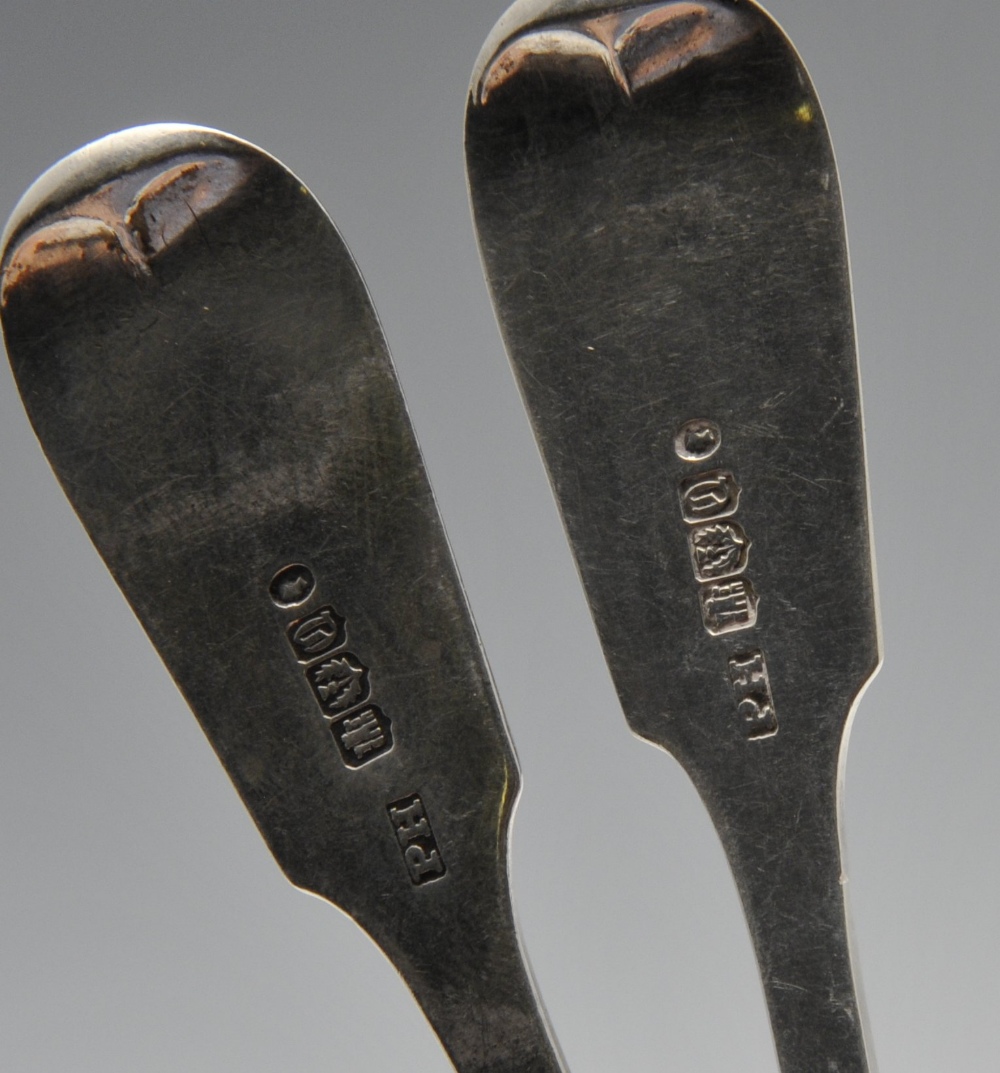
(416, 839)
(752, 692)
(707, 496)
(318, 633)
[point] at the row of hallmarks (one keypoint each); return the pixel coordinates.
(341, 685)
(720, 550)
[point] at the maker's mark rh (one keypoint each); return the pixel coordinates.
(752, 692)
(416, 839)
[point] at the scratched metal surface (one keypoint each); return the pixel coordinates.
(659, 215)
(133, 876)
(200, 361)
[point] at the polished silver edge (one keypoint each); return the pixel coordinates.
(525, 15)
(115, 154)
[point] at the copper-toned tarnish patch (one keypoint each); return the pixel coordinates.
(637, 47)
(92, 229)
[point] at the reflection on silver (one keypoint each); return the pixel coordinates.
(636, 47)
(199, 357)
(660, 222)
(96, 231)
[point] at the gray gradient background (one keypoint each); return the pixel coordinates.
(143, 924)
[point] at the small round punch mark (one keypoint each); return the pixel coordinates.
(292, 585)
(697, 440)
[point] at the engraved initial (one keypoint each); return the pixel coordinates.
(416, 839)
(752, 692)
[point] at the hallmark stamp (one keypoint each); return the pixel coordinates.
(697, 440)
(718, 550)
(339, 682)
(316, 634)
(416, 839)
(292, 585)
(752, 692)
(363, 735)
(727, 606)
(708, 496)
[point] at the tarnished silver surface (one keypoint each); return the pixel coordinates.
(659, 217)
(204, 369)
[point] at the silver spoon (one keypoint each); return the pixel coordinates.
(659, 218)
(204, 369)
